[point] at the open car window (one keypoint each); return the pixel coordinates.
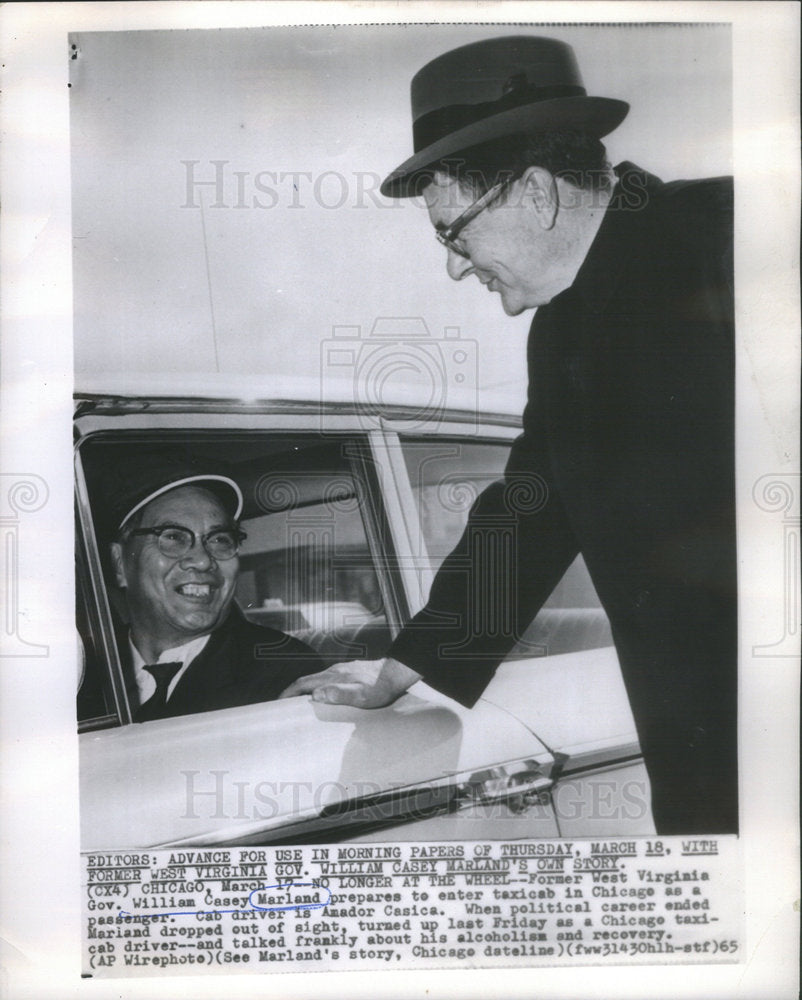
(343, 528)
(308, 566)
(314, 564)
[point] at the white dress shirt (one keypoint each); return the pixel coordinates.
(146, 683)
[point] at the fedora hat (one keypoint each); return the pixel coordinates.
(493, 88)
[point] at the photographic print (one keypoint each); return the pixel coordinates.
(409, 425)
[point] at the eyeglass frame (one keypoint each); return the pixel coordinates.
(158, 530)
(448, 234)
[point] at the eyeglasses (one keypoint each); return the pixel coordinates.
(175, 541)
(448, 235)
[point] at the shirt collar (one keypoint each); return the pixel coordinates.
(183, 654)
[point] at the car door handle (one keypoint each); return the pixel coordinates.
(519, 785)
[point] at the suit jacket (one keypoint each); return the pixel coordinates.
(241, 664)
(627, 457)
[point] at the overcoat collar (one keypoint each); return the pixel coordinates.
(623, 229)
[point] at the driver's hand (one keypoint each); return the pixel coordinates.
(363, 683)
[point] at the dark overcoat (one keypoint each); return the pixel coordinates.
(627, 457)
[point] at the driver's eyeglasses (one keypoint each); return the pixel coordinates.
(448, 234)
(175, 541)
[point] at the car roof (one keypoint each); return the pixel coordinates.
(271, 391)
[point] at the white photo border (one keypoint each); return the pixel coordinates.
(40, 901)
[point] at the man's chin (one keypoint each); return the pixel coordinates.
(512, 308)
(514, 305)
(199, 621)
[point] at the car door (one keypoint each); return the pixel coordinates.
(327, 559)
(562, 678)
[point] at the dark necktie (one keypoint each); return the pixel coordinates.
(154, 707)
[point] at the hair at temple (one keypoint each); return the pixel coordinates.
(575, 157)
(133, 522)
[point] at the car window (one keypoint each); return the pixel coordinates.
(314, 564)
(307, 566)
(446, 477)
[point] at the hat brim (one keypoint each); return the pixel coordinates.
(595, 116)
(211, 481)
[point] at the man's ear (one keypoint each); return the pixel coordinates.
(541, 195)
(118, 563)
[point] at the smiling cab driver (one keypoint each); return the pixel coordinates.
(188, 647)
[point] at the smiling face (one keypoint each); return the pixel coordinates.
(173, 600)
(512, 246)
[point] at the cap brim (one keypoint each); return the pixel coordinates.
(215, 479)
(595, 116)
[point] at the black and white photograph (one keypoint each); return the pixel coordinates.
(575, 569)
(428, 452)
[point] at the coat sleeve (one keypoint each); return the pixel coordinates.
(516, 546)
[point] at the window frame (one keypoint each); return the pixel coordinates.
(491, 440)
(367, 463)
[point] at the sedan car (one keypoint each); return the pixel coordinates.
(348, 513)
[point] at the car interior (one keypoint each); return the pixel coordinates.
(318, 560)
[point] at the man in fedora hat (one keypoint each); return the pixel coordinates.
(629, 427)
(187, 647)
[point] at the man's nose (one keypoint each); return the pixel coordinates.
(198, 556)
(458, 267)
